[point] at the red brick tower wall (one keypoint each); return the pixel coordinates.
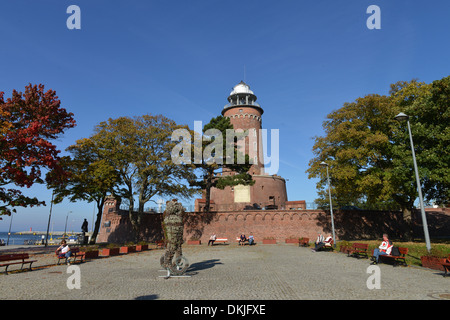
(244, 117)
(244, 113)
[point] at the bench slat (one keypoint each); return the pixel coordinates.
(12, 260)
(14, 256)
(75, 253)
(304, 242)
(10, 263)
(360, 249)
(402, 256)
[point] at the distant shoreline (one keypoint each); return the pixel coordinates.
(55, 233)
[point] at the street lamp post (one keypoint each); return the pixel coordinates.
(331, 205)
(49, 218)
(9, 232)
(402, 117)
(65, 228)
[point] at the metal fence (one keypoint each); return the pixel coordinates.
(216, 207)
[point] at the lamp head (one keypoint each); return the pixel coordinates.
(401, 117)
(323, 163)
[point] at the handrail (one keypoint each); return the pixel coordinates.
(233, 104)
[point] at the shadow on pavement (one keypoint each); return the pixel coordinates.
(203, 265)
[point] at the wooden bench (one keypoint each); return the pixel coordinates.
(221, 240)
(74, 254)
(359, 250)
(10, 259)
(304, 242)
(239, 241)
(402, 256)
(446, 266)
(344, 249)
(245, 241)
(328, 246)
(160, 244)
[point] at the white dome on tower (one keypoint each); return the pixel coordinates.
(242, 96)
(241, 87)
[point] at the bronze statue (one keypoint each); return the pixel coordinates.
(173, 224)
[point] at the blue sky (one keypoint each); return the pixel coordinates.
(303, 59)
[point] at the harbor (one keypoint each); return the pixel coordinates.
(39, 237)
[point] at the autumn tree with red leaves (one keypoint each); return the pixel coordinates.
(28, 122)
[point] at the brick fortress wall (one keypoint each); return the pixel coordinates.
(116, 227)
(279, 224)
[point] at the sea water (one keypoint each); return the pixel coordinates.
(19, 239)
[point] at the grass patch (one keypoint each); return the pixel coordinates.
(416, 249)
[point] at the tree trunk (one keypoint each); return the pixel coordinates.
(139, 222)
(407, 225)
(97, 220)
(134, 219)
(208, 192)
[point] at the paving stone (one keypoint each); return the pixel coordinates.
(226, 272)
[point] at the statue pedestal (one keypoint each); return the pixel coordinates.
(171, 276)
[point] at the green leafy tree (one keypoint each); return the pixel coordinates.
(208, 168)
(157, 174)
(140, 151)
(116, 140)
(430, 118)
(369, 155)
(91, 178)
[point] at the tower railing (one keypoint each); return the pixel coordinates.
(242, 103)
(223, 208)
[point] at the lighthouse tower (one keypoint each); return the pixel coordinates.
(245, 113)
(269, 190)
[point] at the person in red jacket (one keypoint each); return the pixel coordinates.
(384, 249)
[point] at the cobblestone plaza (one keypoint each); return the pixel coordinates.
(226, 272)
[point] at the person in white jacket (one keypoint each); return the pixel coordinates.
(319, 243)
(384, 249)
(64, 251)
(212, 239)
(328, 241)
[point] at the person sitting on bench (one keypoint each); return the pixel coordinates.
(242, 240)
(212, 239)
(384, 249)
(251, 240)
(63, 251)
(328, 241)
(319, 243)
